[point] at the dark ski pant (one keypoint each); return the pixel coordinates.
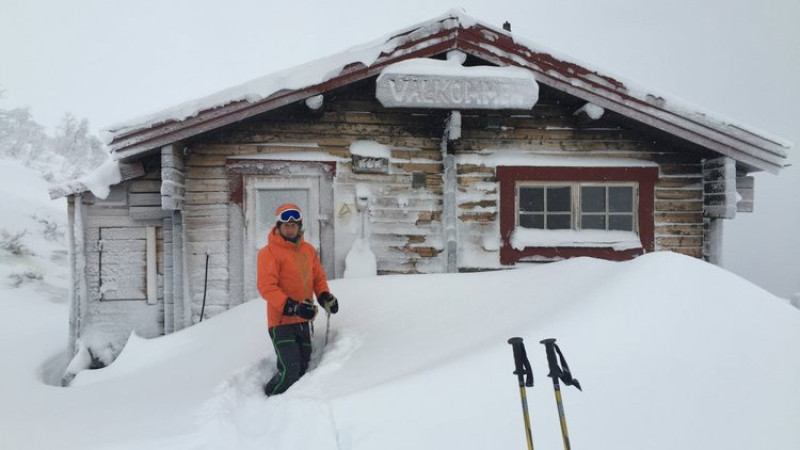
(293, 348)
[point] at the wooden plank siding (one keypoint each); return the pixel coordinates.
(116, 262)
(405, 223)
(350, 115)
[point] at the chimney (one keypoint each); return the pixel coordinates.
(507, 26)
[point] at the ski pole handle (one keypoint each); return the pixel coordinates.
(552, 363)
(522, 367)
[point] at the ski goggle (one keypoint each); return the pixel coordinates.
(290, 215)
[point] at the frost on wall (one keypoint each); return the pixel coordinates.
(478, 226)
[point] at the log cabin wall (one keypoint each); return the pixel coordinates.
(405, 211)
(404, 223)
(552, 129)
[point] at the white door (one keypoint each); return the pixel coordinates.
(263, 195)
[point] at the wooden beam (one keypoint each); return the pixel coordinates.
(152, 269)
(745, 187)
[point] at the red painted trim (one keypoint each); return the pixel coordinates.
(237, 169)
(507, 176)
(498, 48)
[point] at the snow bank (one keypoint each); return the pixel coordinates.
(672, 353)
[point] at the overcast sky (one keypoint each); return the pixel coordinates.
(113, 60)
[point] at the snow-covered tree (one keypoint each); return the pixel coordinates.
(73, 141)
(20, 134)
(69, 153)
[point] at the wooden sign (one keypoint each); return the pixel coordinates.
(464, 88)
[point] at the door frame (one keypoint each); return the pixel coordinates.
(244, 172)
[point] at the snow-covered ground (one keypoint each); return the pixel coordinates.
(672, 353)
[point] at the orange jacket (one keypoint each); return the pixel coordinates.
(288, 270)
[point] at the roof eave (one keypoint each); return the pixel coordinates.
(498, 47)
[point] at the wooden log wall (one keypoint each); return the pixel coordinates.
(552, 130)
(405, 222)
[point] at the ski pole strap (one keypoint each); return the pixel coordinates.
(522, 367)
(561, 371)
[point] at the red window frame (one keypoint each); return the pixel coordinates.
(508, 176)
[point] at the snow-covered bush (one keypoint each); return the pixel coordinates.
(18, 278)
(12, 242)
(51, 229)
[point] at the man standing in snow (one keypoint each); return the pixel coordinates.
(289, 275)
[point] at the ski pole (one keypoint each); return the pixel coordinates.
(522, 369)
(327, 327)
(205, 290)
(564, 374)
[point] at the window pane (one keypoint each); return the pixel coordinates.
(620, 222)
(620, 199)
(559, 222)
(595, 222)
(559, 199)
(532, 221)
(531, 199)
(593, 199)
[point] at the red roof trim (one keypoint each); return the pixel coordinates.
(499, 48)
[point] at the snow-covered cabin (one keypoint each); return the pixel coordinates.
(448, 146)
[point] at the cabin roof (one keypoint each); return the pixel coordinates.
(454, 30)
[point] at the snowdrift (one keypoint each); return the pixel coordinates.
(672, 353)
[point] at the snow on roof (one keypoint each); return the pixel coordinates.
(752, 147)
(309, 74)
(98, 181)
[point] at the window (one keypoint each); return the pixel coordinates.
(576, 206)
(130, 262)
(561, 212)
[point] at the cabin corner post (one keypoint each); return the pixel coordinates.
(713, 242)
(78, 289)
(236, 252)
(173, 193)
(183, 298)
(719, 203)
(173, 177)
(452, 133)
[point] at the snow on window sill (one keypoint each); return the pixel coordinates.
(522, 238)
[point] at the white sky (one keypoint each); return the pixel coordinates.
(111, 61)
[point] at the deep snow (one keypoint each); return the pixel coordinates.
(672, 353)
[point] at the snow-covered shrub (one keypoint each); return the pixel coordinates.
(18, 278)
(12, 242)
(52, 230)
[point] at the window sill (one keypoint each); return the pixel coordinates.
(523, 238)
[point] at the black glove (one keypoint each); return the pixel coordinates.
(329, 302)
(305, 310)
